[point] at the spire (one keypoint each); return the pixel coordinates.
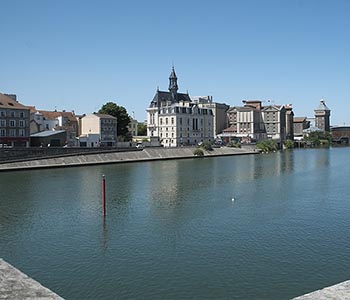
(173, 87)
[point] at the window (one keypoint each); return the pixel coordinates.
(21, 123)
(2, 114)
(13, 114)
(21, 132)
(2, 132)
(172, 121)
(161, 121)
(12, 132)
(21, 114)
(166, 121)
(12, 123)
(2, 123)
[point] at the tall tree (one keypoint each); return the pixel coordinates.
(123, 118)
(141, 129)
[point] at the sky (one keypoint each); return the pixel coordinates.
(78, 55)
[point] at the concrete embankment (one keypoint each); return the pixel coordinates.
(339, 291)
(16, 285)
(146, 154)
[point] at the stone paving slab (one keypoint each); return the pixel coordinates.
(17, 286)
(339, 291)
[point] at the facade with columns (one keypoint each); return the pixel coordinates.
(177, 120)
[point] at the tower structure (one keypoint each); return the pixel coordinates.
(173, 87)
(322, 116)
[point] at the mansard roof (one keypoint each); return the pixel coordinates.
(161, 96)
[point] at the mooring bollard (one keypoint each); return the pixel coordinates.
(103, 195)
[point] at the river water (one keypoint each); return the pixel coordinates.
(270, 226)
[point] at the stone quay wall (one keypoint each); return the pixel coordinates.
(146, 154)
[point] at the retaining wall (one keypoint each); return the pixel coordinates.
(119, 157)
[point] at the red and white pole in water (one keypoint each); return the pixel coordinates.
(103, 195)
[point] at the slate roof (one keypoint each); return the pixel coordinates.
(322, 106)
(166, 96)
(8, 102)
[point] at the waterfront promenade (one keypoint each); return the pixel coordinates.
(146, 154)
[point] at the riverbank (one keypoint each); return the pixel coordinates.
(147, 154)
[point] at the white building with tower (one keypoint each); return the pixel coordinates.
(177, 120)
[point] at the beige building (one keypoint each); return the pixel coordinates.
(219, 112)
(14, 122)
(103, 125)
(133, 127)
(176, 120)
(274, 117)
(254, 122)
(245, 123)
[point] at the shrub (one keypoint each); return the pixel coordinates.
(206, 146)
(289, 144)
(198, 152)
(267, 145)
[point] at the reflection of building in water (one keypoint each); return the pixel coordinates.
(165, 189)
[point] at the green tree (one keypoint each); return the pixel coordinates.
(123, 118)
(141, 129)
(318, 138)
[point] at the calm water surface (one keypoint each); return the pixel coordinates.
(172, 230)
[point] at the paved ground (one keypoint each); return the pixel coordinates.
(18, 286)
(339, 291)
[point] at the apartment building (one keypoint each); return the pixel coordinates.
(14, 122)
(105, 126)
(245, 123)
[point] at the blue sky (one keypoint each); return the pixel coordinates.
(78, 55)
